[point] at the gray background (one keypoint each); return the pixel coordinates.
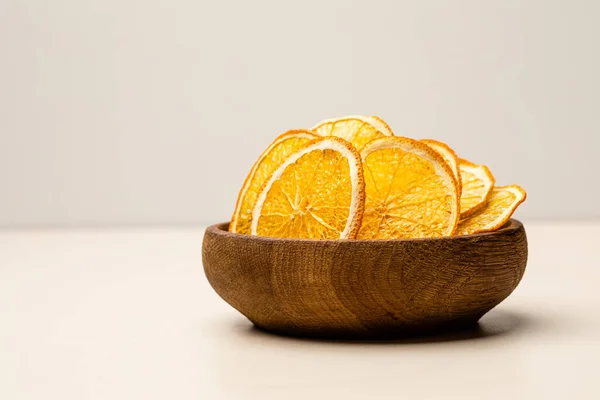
(127, 112)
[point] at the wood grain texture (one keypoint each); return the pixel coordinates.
(363, 288)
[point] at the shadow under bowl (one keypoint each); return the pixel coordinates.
(364, 288)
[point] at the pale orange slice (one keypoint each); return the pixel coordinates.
(410, 191)
(317, 193)
(358, 130)
(449, 156)
(477, 183)
(281, 148)
(501, 205)
(382, 126)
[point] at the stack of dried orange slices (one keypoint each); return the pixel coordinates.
(351, 178)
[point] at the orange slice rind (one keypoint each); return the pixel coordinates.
(381, 125)
(449, 156)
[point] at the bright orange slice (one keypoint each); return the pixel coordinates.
(358, 130)
(502, 204)
(449, 156)
(477, 184)
(410, 191)
(282, 147)
(317, 193)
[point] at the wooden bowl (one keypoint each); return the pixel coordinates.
(364, 288)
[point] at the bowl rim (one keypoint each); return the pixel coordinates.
(220, 229)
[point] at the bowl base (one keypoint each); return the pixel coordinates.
(464, 327)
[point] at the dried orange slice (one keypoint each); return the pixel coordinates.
(410, 191)
(358, 130)
(318, 193)
(477, 183)
(449, 156)
(501, 205)
(382, 126)
(283, 146)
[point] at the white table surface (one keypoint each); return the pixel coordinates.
(128, 314)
